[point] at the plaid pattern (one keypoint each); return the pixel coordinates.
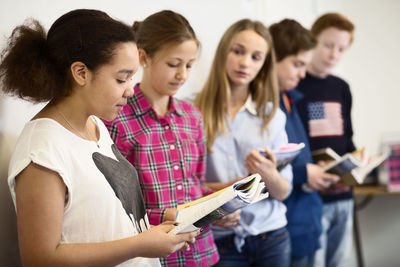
(169, 155)
(394, 166)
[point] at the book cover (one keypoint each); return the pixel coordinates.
(285, 154)
(389, 172)
(325, 154)
(203, 211)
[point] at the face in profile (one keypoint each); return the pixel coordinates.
(245, 58)
(170, 67)
(292, 69)
(111, 84)
(332, 43)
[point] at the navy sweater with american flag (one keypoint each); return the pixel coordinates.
(325, 111)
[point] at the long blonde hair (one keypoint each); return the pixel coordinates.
(214, 97)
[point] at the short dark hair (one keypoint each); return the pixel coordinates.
(290, 38)
(161, 28)
(36, 67)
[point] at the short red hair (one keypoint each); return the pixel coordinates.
(335, 20)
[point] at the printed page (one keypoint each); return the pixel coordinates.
(344, 166)
(210, 208)
(361, 172)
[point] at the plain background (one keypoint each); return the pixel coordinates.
(370, 66)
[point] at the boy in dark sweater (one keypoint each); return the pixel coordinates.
(325, 111)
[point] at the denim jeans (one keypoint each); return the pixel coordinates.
(337, 234)
(266, 249)
(306, 261)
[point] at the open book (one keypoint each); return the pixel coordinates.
(325, 154)
(285, 154)
(203, 211)
(354, 167)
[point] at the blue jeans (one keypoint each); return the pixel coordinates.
(306, 261)
(337, 234)
(266, 249)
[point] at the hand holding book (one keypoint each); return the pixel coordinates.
(353, 167)
(270, 165)
(206, 210)
(265, 166)
(229, 220)
(165, 242)
(318, 179)
(284, 154)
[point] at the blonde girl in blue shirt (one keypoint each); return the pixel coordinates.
(239, 103)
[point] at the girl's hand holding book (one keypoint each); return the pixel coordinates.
(163, 244)
(265, 165)
(229, 220)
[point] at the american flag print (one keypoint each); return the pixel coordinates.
(325, 119)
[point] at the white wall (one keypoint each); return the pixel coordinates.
(370, 66)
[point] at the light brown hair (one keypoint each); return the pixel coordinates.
(162, 28)
(214, 98)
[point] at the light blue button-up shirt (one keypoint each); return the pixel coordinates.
(227, 162)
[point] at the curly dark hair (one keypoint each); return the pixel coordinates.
(35, 67)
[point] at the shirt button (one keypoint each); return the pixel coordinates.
(172, 147)
(230, 158)
(179, 187)
(166, 127)
(176, 167)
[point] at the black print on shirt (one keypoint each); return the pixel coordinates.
(123, 178)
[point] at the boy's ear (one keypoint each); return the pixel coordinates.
(143, 58)
(80, 73)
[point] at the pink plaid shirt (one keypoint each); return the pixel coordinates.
(169, 155)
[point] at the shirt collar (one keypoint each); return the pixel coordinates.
(143, 106)
(250, 105)
(176, 107)
(294, 94)
(140, 103)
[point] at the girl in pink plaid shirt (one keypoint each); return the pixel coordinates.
(162, 136)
